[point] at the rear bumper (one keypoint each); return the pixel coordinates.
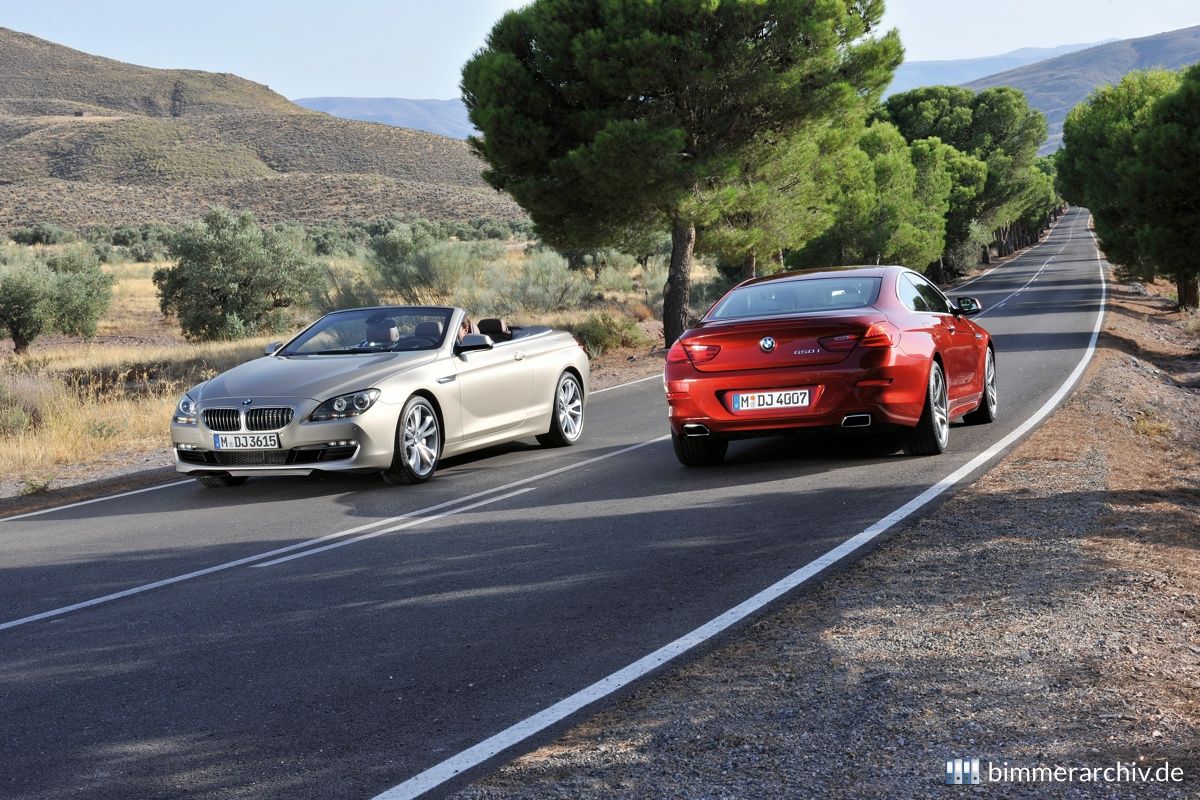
(893, 393)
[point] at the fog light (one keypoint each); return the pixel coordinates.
(186, 447)
(343, 443)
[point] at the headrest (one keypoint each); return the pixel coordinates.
(431, 329)
(494, 328)
(382, 330)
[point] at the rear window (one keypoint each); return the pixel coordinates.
(800, 296)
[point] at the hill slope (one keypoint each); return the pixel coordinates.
(1055, 85)
(951, 72)
(146, 144)
(443, 117)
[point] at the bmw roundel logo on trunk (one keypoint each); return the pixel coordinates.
(767, 344)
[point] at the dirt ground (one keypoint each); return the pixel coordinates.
(1048, 615)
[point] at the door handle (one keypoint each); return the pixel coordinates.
(519, 356)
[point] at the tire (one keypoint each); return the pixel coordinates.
(932, 434)
(220, 481)
(699, 451)
(418, 444)
(566, 418)
(987, 405)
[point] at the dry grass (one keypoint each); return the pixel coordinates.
(1189, 322)
(72, 402)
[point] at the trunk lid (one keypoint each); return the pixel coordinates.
(797, 341)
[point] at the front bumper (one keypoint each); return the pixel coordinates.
(354, 444)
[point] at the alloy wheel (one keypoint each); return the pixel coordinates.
(421, 439)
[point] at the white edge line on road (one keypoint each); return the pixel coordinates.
(95, 500)
(628, 383)
(983, 275)
(1036, 275)
(229, 565)
(57, 612)
(409, 524)
(446, 770)
(183, 482)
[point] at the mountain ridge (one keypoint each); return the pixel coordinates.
(1056, 85)
(77, 125)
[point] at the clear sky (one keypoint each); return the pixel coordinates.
(415, 48)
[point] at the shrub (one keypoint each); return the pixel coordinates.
(342, 290)
(25, 309)
(964, 254)
(545, 284)
(41, 233)
(233, 278)
(81, 292)
(431, 274)
(68, 293)
(601, 332)
(614, 279)
(653, 278)
(14, 421)
(332, 239)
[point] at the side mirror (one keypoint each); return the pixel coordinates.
(270, 349)
(472, 342)
(968, 306)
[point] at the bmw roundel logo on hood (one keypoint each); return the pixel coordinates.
(767, 344)
(248, 401)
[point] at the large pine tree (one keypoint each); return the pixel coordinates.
(599, 115)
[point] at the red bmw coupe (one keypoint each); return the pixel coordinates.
(852, 347)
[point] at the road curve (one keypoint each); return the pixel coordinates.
(198, 663)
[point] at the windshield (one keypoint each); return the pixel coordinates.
(800, 296)
(373, 330)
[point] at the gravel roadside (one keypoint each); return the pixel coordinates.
(1047, 616)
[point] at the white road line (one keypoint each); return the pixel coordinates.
(412, 523)
(629, 383)
(311, 542)
(485, 492)
(95, 500)
(1009, 263)
(446, 770)
(183, 482)
(1036, 275)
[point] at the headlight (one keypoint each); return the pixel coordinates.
(345, 405)
(185, 412)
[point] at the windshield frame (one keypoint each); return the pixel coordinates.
(446, 314)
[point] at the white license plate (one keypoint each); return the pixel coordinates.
(245, 441)
(756, 401)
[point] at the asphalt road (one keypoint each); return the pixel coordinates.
(347, 671)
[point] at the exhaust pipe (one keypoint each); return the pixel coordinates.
(857, 421)
(695, 429)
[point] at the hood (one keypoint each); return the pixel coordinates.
(315, 377)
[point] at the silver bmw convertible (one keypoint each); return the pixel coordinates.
(390, 390)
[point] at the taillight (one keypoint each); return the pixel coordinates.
(701, 353)
(696, 353)
(881, 334)
(877, 334)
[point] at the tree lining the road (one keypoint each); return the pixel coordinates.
(598, 117)
(1131, 154)
(751, 131)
